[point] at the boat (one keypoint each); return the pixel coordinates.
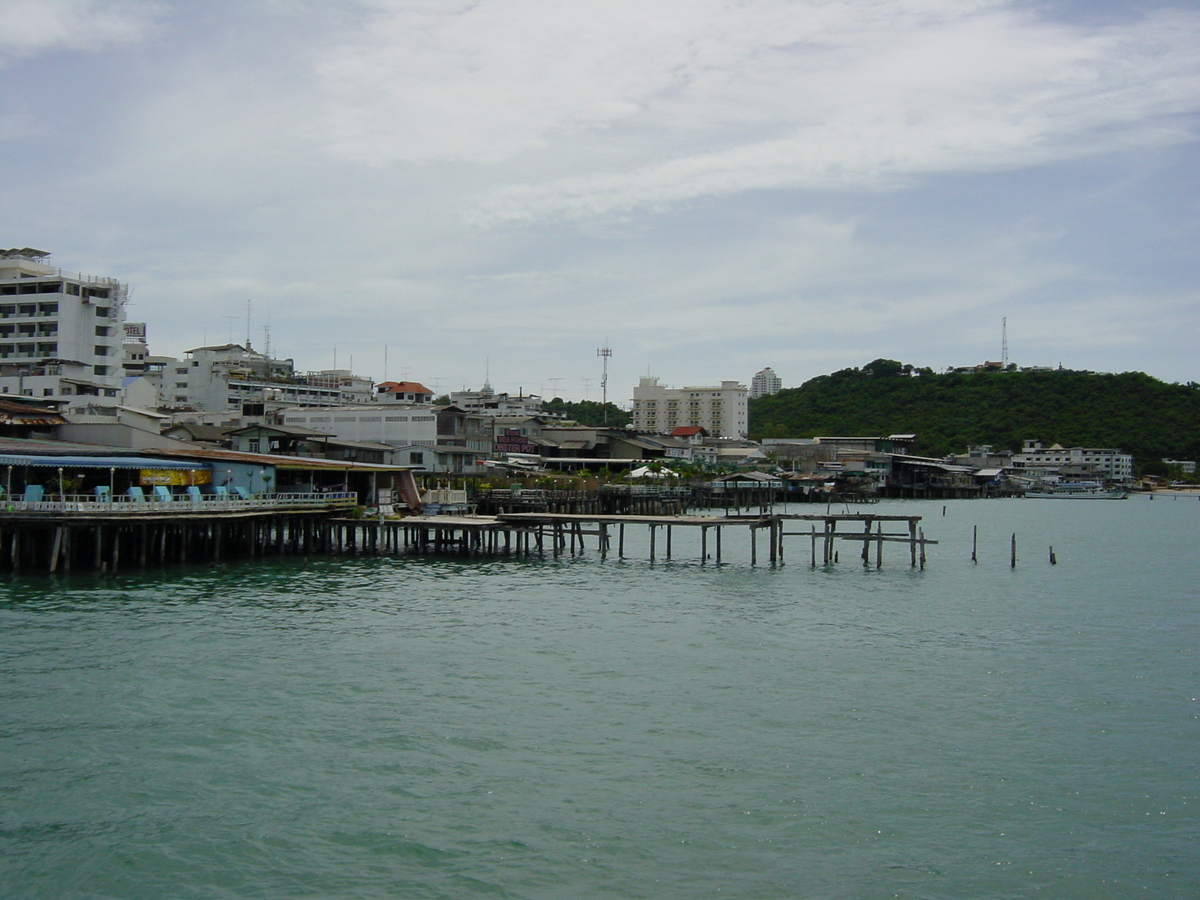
(1077, 490)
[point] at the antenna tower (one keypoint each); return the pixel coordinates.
(1004, 342)
(605, 354)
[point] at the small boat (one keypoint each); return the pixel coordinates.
(1078, 490)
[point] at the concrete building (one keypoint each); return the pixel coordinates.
(60, 334)
(457, 441)
(765, 382)
(353, 388)
(1074, 462)
(233, 378)
(490, 403)
(722, 411)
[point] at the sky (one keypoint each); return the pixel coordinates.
(451, 191)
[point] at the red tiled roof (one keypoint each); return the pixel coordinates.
(404, 387)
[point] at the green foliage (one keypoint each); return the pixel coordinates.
(590, 412)
(1131, 411)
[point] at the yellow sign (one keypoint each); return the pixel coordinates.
(183, 477)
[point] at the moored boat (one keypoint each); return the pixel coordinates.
(1080, 490)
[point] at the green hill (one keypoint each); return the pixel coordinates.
(1131, 411)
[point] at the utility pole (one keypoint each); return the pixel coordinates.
(605, 354)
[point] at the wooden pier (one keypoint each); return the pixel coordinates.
(105, 537)
(539, 533)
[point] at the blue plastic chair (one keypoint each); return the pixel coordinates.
(34, 493)
(103, 493)
(241, 493)
(136, 494)
(194, 494)
(162, 493)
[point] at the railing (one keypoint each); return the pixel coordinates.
(183, 504)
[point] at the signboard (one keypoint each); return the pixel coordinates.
(512, 441)
(176, 477)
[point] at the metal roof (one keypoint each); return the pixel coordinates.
(97, 462)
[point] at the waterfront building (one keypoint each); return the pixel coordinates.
(458, 440)
(1073, 462)
(722, 410)
(60, 334)
(407, 392)
(765, 382)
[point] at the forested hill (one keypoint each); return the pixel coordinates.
(1132, 411)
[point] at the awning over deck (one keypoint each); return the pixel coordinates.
(99, 462)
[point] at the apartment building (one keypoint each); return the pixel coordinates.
(765, 382)
(721, 410)
(60, 333)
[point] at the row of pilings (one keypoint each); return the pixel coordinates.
(101, 544)
(63, 544)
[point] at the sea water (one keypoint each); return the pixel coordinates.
(587, 728)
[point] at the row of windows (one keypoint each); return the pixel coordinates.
(37, 287)
(45, 329)
(9, 310)
(44, 349)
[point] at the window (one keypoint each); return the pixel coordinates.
(103, 311)
(416, 459)
(48, 309)
(26, 309)
(100, 370)
(181, 385)
(395, 419)
(47, 392)
(110, 392)
(181, 371)
(102, 331)
(47, 349)
(101, 350)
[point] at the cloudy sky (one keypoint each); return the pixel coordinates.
(707, 186)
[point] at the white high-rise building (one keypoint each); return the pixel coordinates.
(765, 382)
(722, 411)
(60, 334)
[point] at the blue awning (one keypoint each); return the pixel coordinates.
(98, 462)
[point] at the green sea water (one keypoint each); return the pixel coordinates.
(579, 728)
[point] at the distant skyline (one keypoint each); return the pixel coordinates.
(706, 187)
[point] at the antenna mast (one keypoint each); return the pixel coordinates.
(1004, 342)
(605, 354)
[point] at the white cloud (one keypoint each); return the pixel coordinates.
(606, 107)
(36, 26)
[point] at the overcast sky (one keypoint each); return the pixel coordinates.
(709, 186)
